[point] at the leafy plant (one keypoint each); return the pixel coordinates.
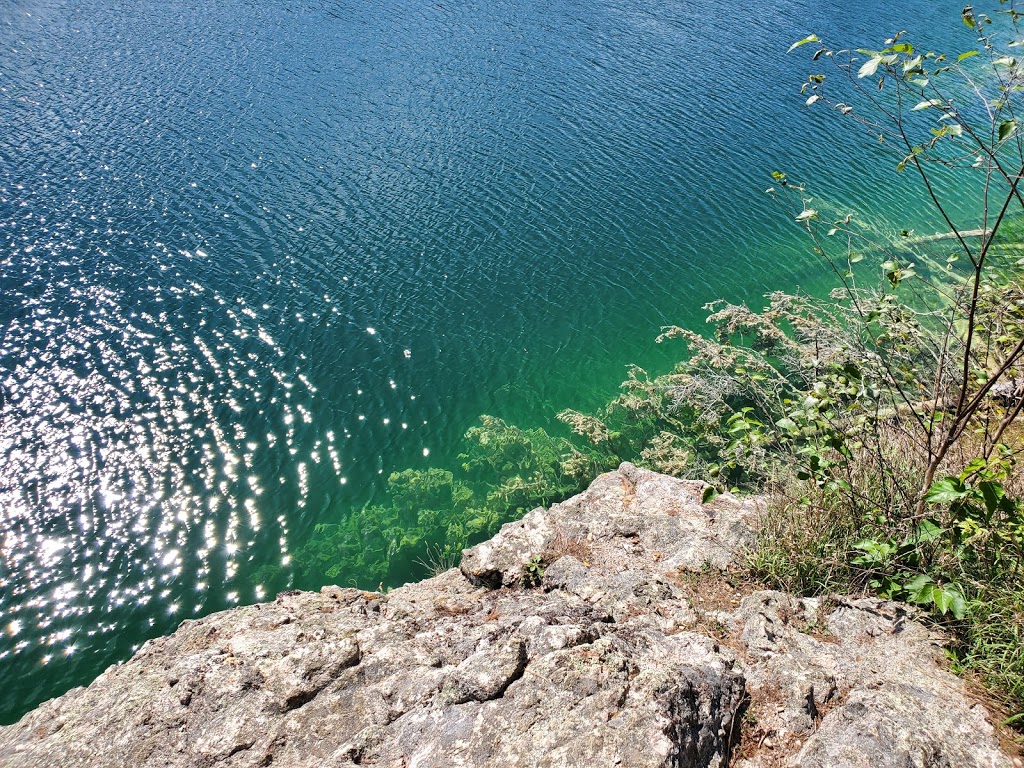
(944, 117)
(940, 369)
(533, 571)
(432, 514)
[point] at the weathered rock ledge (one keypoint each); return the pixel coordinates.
(584, 635)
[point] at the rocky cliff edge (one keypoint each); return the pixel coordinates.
(600, 632)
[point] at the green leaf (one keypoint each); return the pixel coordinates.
(876, 553)
(928, 103)
(869, 67)
(946, 491)
(1005, 61)
(927, 530)
(805, 41)
(919, 589)
(807, 214)
(939, 600)
(992, 493)
(966, 55)
(950, 599)
(710, 494)
(812, 99)
(787, 424)
(1007, 128)
(973, 466)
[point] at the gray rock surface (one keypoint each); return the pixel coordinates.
(575, 637)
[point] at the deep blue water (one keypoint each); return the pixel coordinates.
(256, 256)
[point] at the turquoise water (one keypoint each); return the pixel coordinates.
(257, 256)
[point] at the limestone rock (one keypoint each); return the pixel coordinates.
(502, 560)
(566, 640)
(859, 685)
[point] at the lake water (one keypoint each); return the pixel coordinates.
(255, 256)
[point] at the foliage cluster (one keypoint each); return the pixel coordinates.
(433, 514)
(916, 495)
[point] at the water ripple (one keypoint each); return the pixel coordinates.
(258, 255)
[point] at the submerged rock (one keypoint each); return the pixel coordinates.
(568, 639)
